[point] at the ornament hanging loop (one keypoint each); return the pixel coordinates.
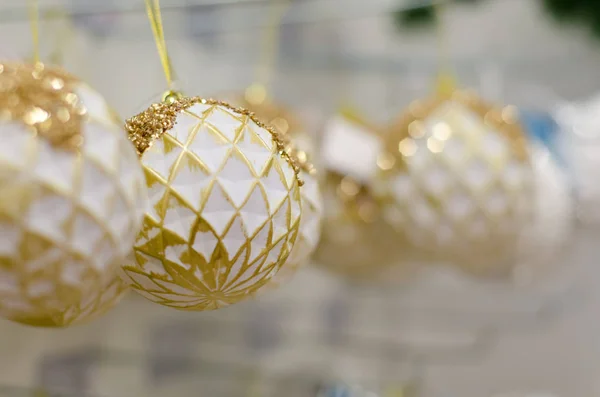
(171, 96)
(34, 21)
(446, 79)
(257, 93)
(155, 18)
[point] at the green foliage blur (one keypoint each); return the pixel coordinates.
(574, 12)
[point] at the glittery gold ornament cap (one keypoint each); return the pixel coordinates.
(146, 127)
(43, 98)
(502, 119)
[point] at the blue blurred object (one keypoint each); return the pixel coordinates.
(343, 390)
(335, 390)
(542, 127)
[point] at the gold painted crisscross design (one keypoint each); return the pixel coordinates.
(67, 217)
(484, 236)
(225, 211)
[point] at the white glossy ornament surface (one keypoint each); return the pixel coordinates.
(462, 189)
(283, 120)
(350, 148)
(224, 211)
(67, 219)
(579, 145)
(544, 237)
(309, 232)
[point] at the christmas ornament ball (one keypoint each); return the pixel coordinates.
(544, 239)
(71, 195)
(300, 145)
(94, 305)
(356, 243)
(225, 204)
(456, 179)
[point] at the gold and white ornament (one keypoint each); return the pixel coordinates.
(544, 239)
(300, 145)
(92, 306)
(71, 196)
(225, 204)
(456, 179)
(356, 243)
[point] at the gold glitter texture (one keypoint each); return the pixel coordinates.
(68, 214)
(284, 122)
(292, 131)
(151, 124)
(225, 205)
(42, 98)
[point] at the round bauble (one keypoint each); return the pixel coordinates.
(71, 194)
(456, 180)
(225, 204)
(356, 243)
(543, 240)
(94, 305)
(300, 145)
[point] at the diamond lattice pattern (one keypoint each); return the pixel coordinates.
(463, 189)
(309, 231)
(224, 216)
(66, 219)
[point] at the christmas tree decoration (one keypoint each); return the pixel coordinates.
(92, 306)
(300, 146)
(356, 242)
(225, 199)
(72, 195)
(543, 239)
(578, 145)
(458, 179)
(225, 204)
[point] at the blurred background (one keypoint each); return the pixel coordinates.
(438, 333)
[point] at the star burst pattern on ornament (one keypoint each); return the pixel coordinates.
(225, 206)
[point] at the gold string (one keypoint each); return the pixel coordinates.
(56, 57)
(155, 18)
(446, 80)
(34, 20)
(257, 92)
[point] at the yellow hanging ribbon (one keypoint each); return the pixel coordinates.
(155, 18)
(446, 80)
(34, 20)
(257, 92)
(63, 36)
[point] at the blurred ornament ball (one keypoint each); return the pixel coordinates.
(579, 142)
(355, 241)
(71, 197)
(543, 240)
(224, 204)
(302, 147)
(457, 180)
